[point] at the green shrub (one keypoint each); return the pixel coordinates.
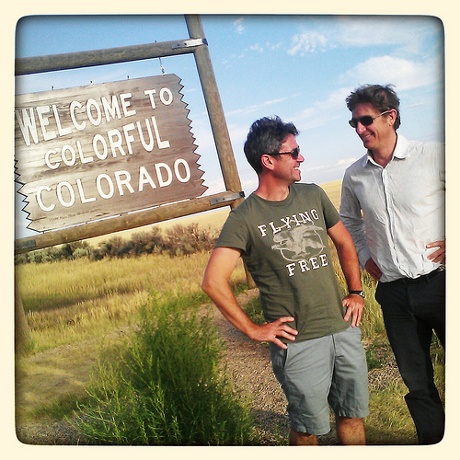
(168, 388)
(179, 240)
(182, 240)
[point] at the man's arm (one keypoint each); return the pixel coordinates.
(351, 216)
(216, 285)
(350, 266)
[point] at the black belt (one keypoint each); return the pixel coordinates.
(421, 279)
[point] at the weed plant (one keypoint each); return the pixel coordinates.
(169, 388)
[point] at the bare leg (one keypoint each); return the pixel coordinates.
(350, 431)
(302, 439)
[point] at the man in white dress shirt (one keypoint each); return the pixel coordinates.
(393, 204)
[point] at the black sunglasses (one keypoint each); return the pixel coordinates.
(294, 153)
(367, 120)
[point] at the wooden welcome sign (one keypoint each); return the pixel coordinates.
(92, 152)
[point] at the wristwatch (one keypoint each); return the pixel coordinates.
(361, 293)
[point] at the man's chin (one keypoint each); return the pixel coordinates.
(367, 143)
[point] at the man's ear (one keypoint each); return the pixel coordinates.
(267, 161)
(392, 116)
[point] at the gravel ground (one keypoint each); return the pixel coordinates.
(248, 363)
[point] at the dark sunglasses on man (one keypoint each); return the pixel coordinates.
(366, 120)
(294, 153)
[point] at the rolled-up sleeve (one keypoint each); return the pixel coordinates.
(351, 215)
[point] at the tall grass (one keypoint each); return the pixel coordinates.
(70, 301)
(169, 389)
(79, 310)
(372, 322)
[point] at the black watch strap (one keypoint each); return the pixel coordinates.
(361, 293)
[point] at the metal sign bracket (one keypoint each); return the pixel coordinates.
(226, 198)
(190, 43)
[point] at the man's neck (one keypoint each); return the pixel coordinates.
(272, 192)
(383, 156)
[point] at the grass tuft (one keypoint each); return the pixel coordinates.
(167, 389)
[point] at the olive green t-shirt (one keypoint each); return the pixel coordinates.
(285, 247)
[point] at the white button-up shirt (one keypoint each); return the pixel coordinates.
(392, 213)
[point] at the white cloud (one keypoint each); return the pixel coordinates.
(254, 108)
(346, 162)
(308, 42)
(407, 33)
(323, 111)
(239, 27)
(403, 73)
(326, 172)
(256, 48)
(335, 100)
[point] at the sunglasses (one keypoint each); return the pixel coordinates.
(367, 120)
(294, 153)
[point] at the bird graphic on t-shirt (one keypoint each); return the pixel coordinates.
(299, 242)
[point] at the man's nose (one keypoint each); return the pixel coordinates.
(360, 128)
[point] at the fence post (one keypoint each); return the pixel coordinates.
(21, 328)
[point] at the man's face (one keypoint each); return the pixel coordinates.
(286, 167)
(380, 133)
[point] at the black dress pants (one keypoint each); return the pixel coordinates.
(412, 309)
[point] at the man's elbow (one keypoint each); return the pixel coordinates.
(207, 285)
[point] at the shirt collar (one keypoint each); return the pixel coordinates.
(400, 151)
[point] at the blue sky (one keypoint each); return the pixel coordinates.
(300, 67)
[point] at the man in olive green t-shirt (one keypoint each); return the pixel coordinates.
(281, 230)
